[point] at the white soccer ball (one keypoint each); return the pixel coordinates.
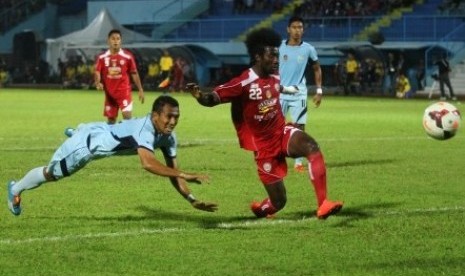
(441, 120)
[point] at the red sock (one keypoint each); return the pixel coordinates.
(266, 208)
(317, 171)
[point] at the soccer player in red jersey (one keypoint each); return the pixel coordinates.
(112, 70)
(261, 126)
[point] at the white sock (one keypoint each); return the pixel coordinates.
(31, 180)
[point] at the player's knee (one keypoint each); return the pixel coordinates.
(127, 115)
(312, 146)
(48, 175)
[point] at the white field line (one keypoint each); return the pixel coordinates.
(224, 225)
(142, 231)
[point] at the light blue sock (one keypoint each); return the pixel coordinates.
(298, 161)
(33, 179)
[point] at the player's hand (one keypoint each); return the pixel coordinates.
(196, 178)
(290, 89)
(141, 96)
(204, 206)
(317, 99)
(194, 89)
(99, 86)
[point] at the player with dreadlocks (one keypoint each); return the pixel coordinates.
(261, 126)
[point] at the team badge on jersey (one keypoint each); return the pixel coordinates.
(267, 167)
(285, 57)
(121, 62)
(268, 93)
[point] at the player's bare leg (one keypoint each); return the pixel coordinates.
(275, 201)
(126, 115)
(33, 179)
(302, 144)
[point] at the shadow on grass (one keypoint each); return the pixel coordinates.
(203, 219)
(362, 212)
(357, 163)
(190, 144)
(206, 220)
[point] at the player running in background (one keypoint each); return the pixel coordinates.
(294, 55)
(112, 70)
(139, 136)
(261, 126)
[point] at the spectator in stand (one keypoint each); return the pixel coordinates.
(178, 75)
(4, 76)
(166, 65)
(352, 69)
(153, 73)
(420, 75)
(70, 74)
(339, 75)
(391, 68)
(403, 87)
(368, 75)
(443, 77)
(188, 73)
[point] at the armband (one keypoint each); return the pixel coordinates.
(319, 90)
(190, 198)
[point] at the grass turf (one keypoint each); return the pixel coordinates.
(403, 194)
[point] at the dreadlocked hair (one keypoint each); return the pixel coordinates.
(257, 40)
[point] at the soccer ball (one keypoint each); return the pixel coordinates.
(441, 120)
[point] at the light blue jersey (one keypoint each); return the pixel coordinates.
(293, 61)
(98, 140)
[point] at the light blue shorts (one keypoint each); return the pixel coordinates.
(297, 110)
(71, 156)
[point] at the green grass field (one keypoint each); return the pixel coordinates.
(404, 197)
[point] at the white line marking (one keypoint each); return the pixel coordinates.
(222, 225)
(267, 222)
(93, 235)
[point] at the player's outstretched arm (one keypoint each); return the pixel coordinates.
(205, 99)
(180, 184)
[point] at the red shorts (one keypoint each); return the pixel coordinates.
(271, 162)
(113, 103)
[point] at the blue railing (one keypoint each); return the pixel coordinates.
(408, 28)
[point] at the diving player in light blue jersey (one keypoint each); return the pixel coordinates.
(294, 55)
(139, 136)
